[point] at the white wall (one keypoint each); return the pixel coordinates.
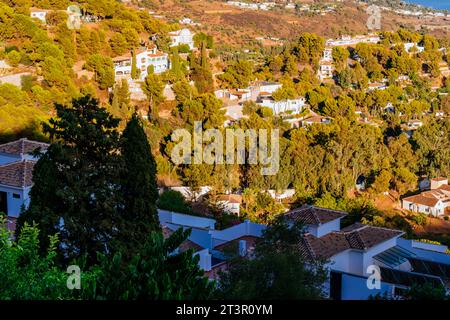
(328, 227)
(437, 210)
(246, 228)
(205, 259)
(422, 253)
(295, 105)
(14, 205)
(186, 220)
(355, 288)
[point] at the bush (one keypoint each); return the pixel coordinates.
(265, 112)
(173, 201)
(13, 58)
(419, 218)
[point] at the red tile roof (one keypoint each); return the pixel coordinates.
(22, 146)
(231, 198)
(357, 237)
(17, 174)
(312, 215)
(432, 197)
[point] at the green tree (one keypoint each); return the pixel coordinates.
(134, 70)
(138, 186)
(153, 88)
(120, 104)
(103, 68)
(75, 191)
(173, 201)
(155, 273)
(426, 292)
(237, 75)
(25, 274)
(433, 143)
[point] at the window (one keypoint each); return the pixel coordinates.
(16, 196)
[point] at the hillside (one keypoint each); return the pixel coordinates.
(236, 26)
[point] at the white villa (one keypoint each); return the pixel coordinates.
(183, 36)
(293, 106)
(350, 253)
(16, 173)
(231, 203)
(351, 41)
(326, 69)
(39, 14)
(144, 58)
(410, 45)
(326, 66)
(435, 202)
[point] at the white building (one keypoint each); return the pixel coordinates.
(40, 14)
(352, 41)
(183, 36)
(264, 87)
(354, 252)
(326, 69)
(410, 45)
(231, 203)
(209, 243)
(350, 253)
(16, 173)
(435, 202)
(144, 59)
(293, 106)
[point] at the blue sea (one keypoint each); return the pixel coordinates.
(435, 4)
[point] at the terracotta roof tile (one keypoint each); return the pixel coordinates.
(312, 215)
(17, 174)
(231, 198)
(22, 146)
(358, 237)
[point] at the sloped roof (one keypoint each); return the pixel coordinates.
(231, 198)
(186, 245)
(22, 146)
(357, 236)
(17, 174)
(432, 197)
(312, 215)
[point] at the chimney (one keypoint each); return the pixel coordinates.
(242, 248)
(205, 261)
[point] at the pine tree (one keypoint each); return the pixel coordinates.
(138, 187)
(120, 104)
(76, 182)
(153, 88)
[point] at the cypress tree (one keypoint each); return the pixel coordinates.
(134, 72)
(138, 186)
